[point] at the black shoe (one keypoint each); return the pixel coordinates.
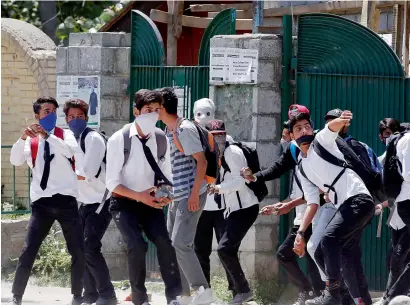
(89, 300)
(15, 301)
(110, 301)
(303, 297)
(77, 300)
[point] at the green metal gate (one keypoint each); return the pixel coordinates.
(341, 64)
(148, 71)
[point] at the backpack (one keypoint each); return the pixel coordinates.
(59, 133)
(251, 155)
(371, 179)
(160, 136)
(86, 131)
(210, 150)
(366, 153)
(392, 178)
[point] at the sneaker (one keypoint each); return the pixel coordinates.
(77, 300)
(184, 300)
(15, 301)
(242, 298)
(329, 299)
(88, 301)
(174, 302)
(315, 301)
(303, 296)
(203, 296)
(110, 301)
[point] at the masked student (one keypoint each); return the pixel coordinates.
(310, 286)
(212, 217)
(138, 167)
(396, 173)
(48, 151)
(345, 189)
(189, 167)
(93, 198)
(328, 210)
(242, 208)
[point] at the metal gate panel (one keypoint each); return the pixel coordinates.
(147, 46)
(341, 64)
(223, 23)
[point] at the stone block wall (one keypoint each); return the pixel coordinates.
(106, 55)
(252, 114)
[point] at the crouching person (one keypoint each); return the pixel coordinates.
(138, 160)
(242, 209)
(92, 196)
(48, 151)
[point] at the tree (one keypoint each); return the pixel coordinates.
(71, 16)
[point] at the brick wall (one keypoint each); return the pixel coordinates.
(18, 90)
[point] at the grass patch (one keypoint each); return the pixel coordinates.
(52, 266)
(219, 286)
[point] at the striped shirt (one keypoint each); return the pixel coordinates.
(183, 164)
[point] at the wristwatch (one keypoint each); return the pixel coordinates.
(301, 233)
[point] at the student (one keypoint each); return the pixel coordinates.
(188, 169)
(47, 150)
(212, 217)
(387, 127)
(92, 196)
(242, 208)
(286, 257)
(140, 145)
(328, 210)
(355, 206)
(399, 283)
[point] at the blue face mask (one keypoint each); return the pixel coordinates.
(77, 126)
(49, 122)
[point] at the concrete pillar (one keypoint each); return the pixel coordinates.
(106, 55)
(252, 114)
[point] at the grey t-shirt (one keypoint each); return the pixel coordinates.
(183, 164)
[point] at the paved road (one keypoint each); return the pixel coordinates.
(35, 295)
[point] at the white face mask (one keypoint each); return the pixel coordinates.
(389, 139)
(284, 144)
(147, 122)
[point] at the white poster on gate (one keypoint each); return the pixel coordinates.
(86, 88)
(217, 71)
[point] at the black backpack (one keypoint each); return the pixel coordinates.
(82, 145)
(259, 187)
(392, 178)
(371, 179)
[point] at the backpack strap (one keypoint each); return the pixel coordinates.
(175, 136)
(86, 131)
(127, 142)
(293, 150)
(327, 156)
(162, 144)
(34, 150)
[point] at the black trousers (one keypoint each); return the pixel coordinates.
(402, 285)
(341, 243)
(289, 261)
(133, 219)
(44, 212)
(238, 224)
(97, 281)
(208, 222)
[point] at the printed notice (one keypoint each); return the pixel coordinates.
(86, 88)
(233, 65)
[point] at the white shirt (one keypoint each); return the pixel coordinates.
(395, 221)
(321, 172)
(92, 189)
(233, 182)
(62, 179)
(295, 194)
(137, 174)
(403, 154)
(210, 204)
